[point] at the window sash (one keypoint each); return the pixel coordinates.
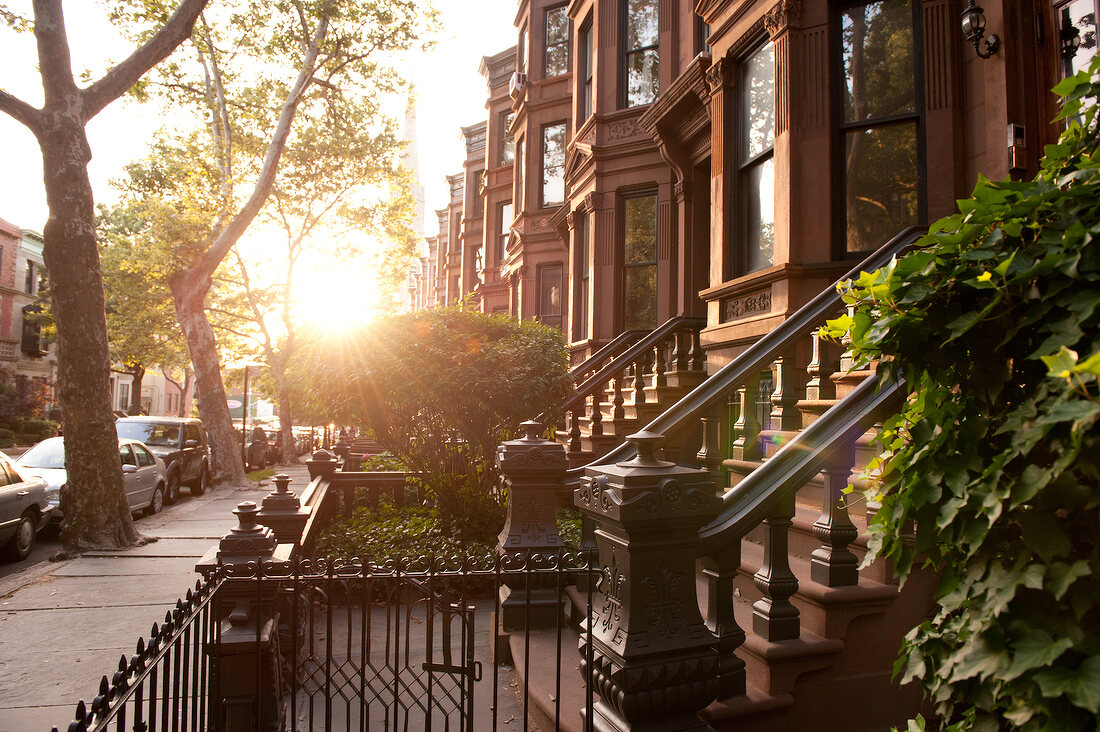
(553, 165)
(556, 57)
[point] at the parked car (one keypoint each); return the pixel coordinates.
(143, 474)
(24, 509)
(180, 443)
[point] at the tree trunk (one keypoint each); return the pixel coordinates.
(188, 292)
(286, 421)
(96, 512)
(138, 375)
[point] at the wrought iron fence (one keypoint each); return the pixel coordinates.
(169, 682)
(342, 644)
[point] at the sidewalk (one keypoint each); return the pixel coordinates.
(64, 625)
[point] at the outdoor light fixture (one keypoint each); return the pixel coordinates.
(973, 27)
(1069, 37)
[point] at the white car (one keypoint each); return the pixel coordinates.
(23, 509)
(143, 473)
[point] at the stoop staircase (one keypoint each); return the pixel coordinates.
(805, 638)
(629, 382)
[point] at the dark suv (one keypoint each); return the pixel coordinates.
(180, 443)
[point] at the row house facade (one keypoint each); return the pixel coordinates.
(728, 159)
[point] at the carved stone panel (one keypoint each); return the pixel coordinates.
(740, 307)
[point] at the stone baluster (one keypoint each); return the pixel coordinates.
(698, 356)
(617, 411)
(639, 380)
(721, 570)
(660, 364)
(575, 429)
(681, 350)
(774, 618)
(282, 512)
(820, 368)
(784, 412)
(534, 471)
(710, 454)
(746, 446)
(596, 415)
(847, 359)
(654, 661)
(833, 564)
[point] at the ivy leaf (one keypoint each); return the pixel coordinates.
(1090, 365)
(1061, 364)
(1061, 575)
(1081, 686)
(1036, 650)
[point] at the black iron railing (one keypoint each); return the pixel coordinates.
(341, 644)
(169, 683)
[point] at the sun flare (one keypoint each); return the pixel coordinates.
(337, 299)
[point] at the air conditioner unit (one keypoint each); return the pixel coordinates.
(516, 84)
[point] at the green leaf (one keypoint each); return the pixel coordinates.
(1061, 575)
(1036, 650)
(1061, 364)
(1080, 686)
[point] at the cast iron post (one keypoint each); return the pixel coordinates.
(654, 662)
(534, 470)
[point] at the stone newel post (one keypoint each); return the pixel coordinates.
(281, 511)
(534, 469)
(654, 662)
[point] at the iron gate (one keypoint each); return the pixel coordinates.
(378, 651)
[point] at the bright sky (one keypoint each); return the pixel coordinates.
(450, 92)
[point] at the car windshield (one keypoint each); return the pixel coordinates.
(151, 433)
(46, 454)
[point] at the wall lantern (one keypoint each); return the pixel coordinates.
(1069, 37)
(973, 27)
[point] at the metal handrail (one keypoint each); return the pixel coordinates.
(793, 465)
(756, 357)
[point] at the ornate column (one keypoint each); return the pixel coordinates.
(654, 661)
(534, 470)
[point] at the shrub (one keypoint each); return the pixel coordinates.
(37, 429)
(7, 437)
(440, 389)
(991, 472)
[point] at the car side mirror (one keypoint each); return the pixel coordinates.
(129, 468)
(190, 443)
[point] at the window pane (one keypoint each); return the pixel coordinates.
(557, 42)
(640, 236)
(553, 165)
(506, 216)
(881, 192)
(586, 88)
(642, 77)
(758, 103)
(877, 53)
(585, 251)
(519, 182)
(550, 291)
(640, 304)
(641, 23)
(507, 142)
(1077, 19)
(760, 214)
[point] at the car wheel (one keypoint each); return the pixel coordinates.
(20, 545)
(173, 493)
(157, 504)
(199, 486)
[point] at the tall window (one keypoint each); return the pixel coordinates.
(550, 286)
(642, 59)
(521, 51)
(1076, 21)
(640, 261)
(557, 42)
(702, 33)
(756, 174)
(504, 216)
(29, 283)
(583, 316)
(123, 396)
(507, 148)
(519, 182)
(587, 100)
(553, 165)
(880, 147)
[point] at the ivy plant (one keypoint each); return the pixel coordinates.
(990, 475)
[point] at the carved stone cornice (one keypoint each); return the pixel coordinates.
(682, 189)
(785, 13)
(592, 201)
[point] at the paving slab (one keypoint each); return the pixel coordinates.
(90, 591)
(184, 567)
(166, 547)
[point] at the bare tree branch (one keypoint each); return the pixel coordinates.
(20, 111)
